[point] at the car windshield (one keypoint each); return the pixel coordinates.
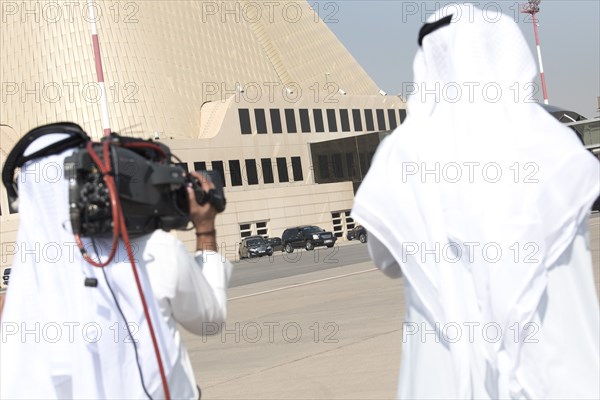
(256, 242)
(311, 229)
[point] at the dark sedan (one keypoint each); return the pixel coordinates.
(254, 246)
(6, 276)
(275, 243)
(358, 232)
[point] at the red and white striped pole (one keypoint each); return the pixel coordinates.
(533, 7)
(539, 54)
(99, 71)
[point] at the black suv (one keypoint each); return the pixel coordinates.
(308, 237)
(358, 232)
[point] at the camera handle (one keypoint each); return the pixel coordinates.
(214, 196)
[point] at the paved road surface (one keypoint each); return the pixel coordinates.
(302, 331)
(299, 262)
(327, 326)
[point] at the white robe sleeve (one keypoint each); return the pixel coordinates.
(383, 259)
(195, 294)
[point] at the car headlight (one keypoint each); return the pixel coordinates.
(252, 250)
(315, 237)
(269, 248)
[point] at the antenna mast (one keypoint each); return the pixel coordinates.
(533, 7)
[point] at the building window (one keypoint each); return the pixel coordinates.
(381, 120)
(392, 118)
(363, 162)
(297, 169)
(245, 230)
(357, 120)
(351, 161)
(245, 125)
(370, 156)
(199, 166)
(282, 170)
(369, 120)
(318, 116)
(337, 224)
(251, 172)
(331, 120)
(304, 120)
(336, 161)
(261, 122)
(342, 222)
(350, 165)
(323, 166)
(259, 228)
(267, 170)
(349, 221)
(183, 166)
(275, 120)
(218, 166)
(345, 120)
(290, 120)
(402, 115)
(235, 172)
(262, 229)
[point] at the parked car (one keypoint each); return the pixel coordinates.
(358, 232)
(254, 246)
(275, 243)
(6, 276)
(307, 237)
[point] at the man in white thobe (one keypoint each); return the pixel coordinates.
(63, 339)
(480, 201)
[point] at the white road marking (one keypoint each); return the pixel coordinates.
(301, 284)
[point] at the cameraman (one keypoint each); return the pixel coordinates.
(70, 330)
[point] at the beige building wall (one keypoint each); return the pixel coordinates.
(180, 71)
(162, 60)
(305, 201)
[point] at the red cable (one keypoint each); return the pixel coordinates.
(146, 313)
(120, 229)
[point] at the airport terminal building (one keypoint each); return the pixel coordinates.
(262, 92)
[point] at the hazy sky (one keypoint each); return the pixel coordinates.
(382, 36)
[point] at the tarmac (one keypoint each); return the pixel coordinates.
(328, 334)
(331, 334)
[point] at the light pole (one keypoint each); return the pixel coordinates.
(533, 7)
